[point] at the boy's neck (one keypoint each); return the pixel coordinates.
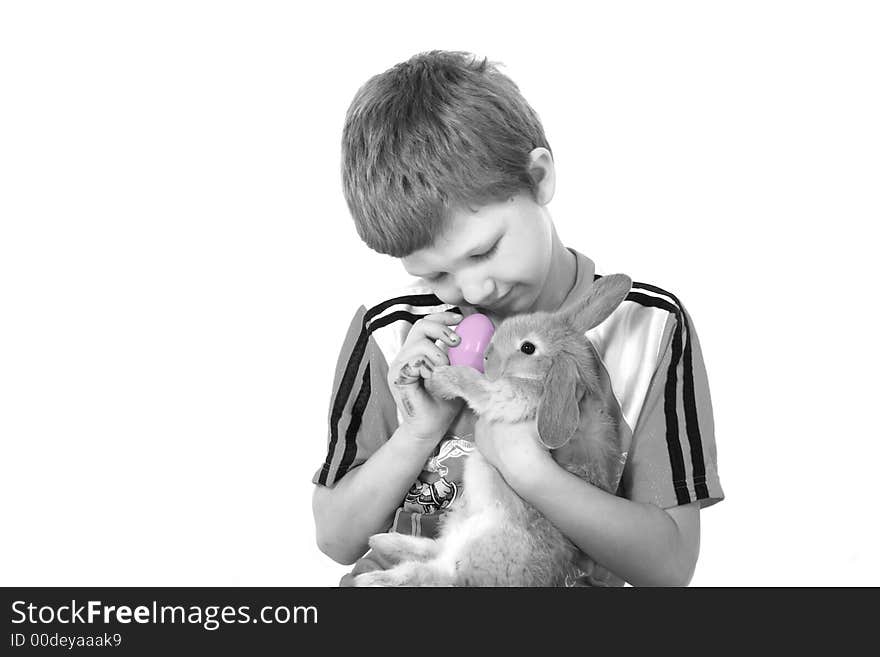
(561, 279)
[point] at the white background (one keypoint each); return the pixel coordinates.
(178, 266)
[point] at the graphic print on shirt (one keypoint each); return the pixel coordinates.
(429, 496)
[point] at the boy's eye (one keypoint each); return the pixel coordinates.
(477, 256)
(486, 254)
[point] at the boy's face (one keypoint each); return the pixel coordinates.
(496, 258)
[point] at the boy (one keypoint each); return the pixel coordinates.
(446, 167)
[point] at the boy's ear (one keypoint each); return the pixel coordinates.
(542, 171)
(606, 294)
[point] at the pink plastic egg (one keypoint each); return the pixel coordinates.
(475, 332)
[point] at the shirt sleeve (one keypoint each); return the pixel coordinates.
(362, 414)
(672, 459)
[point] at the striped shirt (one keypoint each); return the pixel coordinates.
(650, 361)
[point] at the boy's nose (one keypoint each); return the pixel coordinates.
(478, 292)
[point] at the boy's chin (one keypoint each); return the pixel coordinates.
(494, 309)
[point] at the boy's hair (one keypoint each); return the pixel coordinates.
(443, 130)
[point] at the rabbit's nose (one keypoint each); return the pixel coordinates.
(490, 365)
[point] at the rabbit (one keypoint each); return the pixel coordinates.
(538, 366)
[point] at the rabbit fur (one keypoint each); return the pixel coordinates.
(491, 536)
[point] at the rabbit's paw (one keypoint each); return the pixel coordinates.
(444, 382)
(451, 381)
(401, 547)
(390, 577)
(373, 578)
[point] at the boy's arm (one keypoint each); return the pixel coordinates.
(367, 474)
(363, 502)
(640, 542)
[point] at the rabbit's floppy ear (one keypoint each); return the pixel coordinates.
(558, 414)
(606, 294)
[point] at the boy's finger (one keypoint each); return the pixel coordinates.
(445, 317)
(427, 351)
(587, 566)
(436, 356)
(601, 576)
(409, 374)
(426, 370)
(435, 331)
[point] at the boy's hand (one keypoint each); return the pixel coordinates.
(594, 574)
(427, 416)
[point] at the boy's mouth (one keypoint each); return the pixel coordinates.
(498, 304)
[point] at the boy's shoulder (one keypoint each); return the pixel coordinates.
(645, 307)
(644, 322)
(634, 340)
(652, 296)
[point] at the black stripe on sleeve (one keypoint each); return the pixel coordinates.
(692, 424)
(673, 446)
(342, 394)
(357, 415)
(692, 427)
(679, 478)
(347, 382)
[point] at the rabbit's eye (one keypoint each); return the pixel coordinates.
(527, 348)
